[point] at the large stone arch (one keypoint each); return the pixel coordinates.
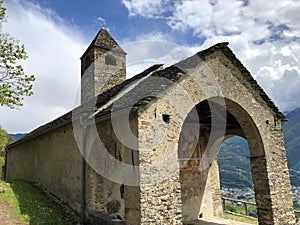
(197, 184)
(268, 161)
(220, 81)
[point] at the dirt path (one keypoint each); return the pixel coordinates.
(7, 217)
(217, 221)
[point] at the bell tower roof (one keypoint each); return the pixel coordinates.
(106, 42)
(103, 66)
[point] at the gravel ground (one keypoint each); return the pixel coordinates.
(7, 217)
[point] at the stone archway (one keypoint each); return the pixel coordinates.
(199, 173)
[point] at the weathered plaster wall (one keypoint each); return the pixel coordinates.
(173, 189)
(108, 178)
(52, 160)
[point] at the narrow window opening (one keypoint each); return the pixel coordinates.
(132, 158)
(166, 118)
(122, 189)
(267, 122)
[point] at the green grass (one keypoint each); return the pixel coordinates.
(241, 209)
(238, 213)
(240, 218)
(29, 205)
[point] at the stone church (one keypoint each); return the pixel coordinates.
(144, 150)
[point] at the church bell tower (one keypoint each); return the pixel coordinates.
(103, 65)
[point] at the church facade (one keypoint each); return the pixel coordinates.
(144, 150)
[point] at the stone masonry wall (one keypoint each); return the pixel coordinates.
(87, 77)
(162, 200)
(159, 168)
(98, 76)
(269, 148)
(107, 75)
(54, 160)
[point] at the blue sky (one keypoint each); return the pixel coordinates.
(91, 15)
(264, 36)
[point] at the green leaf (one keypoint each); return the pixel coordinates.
(14, 83)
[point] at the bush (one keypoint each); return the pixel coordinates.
(231, 208)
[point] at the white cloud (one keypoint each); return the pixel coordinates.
(99, 21)
(281, 77)
(143, 54)
(263, 34)
(186, 15)
(54, 49)
(147, 8)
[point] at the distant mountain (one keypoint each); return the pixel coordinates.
(234, 164)
(291, 131)
(235, 171)
(17, 136)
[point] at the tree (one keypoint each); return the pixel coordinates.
(3, 143)
(14, 83)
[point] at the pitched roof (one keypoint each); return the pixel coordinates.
(235, 61)
(105, 41)
(142, 83)
(229, 54)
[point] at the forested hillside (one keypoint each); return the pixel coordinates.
(291, 131)
(235, 166)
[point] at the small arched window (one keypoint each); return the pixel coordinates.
(110, 60)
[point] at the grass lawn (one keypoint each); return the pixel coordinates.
(32, 207)
(240, 218)
(29, 205)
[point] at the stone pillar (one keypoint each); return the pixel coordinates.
(279, 179)
(261, 189)
(271, 181)
(161, 202)
(216, 189)
(211, 205)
